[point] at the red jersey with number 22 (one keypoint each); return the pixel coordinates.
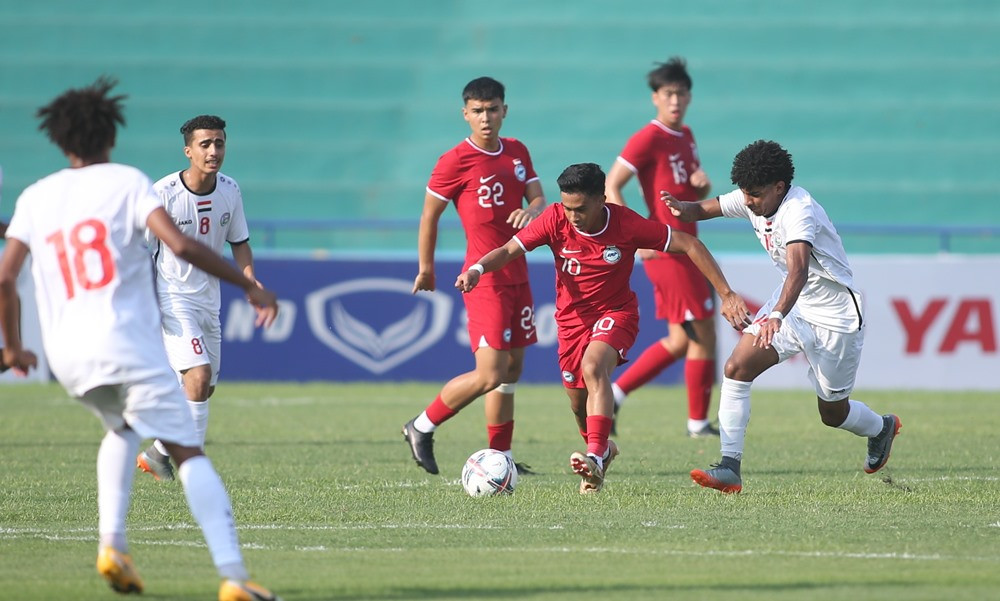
(593, 270)
(486, 187)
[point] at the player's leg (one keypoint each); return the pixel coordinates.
(499, 407)
(599, 361)
(699, 375)
(746, 362)
(209, 503)
(491, 367)
(833, 363)
(192, 349)
(114, 486)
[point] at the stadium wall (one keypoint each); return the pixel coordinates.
(356, 319)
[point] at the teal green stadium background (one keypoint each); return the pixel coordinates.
(338, 110)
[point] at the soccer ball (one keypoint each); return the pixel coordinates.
(489, 472)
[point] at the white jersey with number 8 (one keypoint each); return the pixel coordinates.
(213, 219)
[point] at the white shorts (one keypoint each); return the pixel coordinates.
(193, 337)
(833, 357)
(154, 407)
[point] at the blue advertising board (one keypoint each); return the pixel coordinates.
(354, 319)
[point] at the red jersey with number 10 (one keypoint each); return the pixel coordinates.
(593, 270)
(486, 187)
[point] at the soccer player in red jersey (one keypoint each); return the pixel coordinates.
(597, 313)
(487, 178)
(664, 156)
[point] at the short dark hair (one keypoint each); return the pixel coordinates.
(672, 71)
(84, 121)
(483, 88)
(582, 178)
(762, 163)
(201, 122)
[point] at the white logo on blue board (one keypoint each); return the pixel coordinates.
(378, 351)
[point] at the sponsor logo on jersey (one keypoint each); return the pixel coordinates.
(612, 254)
(569, 377)
(483, 180)
(506, 335)
(416, 323)
(225, 218)
(204, 206)
(519, 171)
(184, 222)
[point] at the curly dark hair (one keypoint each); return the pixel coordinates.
(582, 178)
(762, 163)
(84, 121)
(672, 71)
(201, 122)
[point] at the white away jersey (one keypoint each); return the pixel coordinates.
(828, 298)
(94, 288)
(213, 219)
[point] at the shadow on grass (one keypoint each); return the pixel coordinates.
(610, 591)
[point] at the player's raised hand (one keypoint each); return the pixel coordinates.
(20, 361)
(677, 208)
(735, 310)
(520, 218)
(424, 281)
(266, 304)
(468, 280)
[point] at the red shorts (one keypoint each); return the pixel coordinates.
(501, 317)
(680, 289)
(616, 328)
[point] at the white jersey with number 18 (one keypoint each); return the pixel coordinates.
(94, 288)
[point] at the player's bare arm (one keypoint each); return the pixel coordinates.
(13, 356)
(427, 242)
(618, 176)
(491, 261)
(204, 258)
(243, 257)
(797, 258)
(734, 308)
(536, 204)
(692, 211)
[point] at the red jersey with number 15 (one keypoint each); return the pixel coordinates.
(593, 270)
(663, 159)
(485, 188)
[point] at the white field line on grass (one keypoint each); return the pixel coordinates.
(77, 534)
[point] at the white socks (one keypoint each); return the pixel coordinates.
(734, 414)
(115, 471)
(199, 411)
(619, 394)
(861, 420)
(210, 507)
(424, 423)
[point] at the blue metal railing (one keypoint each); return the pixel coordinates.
(266, 232)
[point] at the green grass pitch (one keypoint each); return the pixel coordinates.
(330, 505)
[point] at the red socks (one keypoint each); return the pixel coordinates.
(438, 412)
(500, 435)
(598, 430)
(700, 376)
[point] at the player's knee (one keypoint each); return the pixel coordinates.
(506, 388)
